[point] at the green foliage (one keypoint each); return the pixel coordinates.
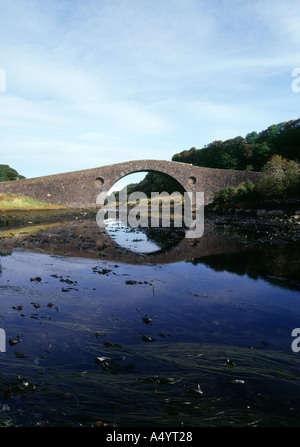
(233, 194)
(249, 153)
(280, 180)
(158, 182)
(251, 137)
(130, 187)
(8, 174)
(17, 201)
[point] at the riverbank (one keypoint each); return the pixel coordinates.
(269, 221)
(23, 217)
(260, 228)
(272, 221)
(257, 230)
(20, 202)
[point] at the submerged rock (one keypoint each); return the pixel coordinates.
(37, 279)
(148, 339)
(196, 389)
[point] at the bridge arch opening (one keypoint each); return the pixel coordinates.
(147, 181)
(144, 238)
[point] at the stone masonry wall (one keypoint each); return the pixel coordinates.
(79, 189)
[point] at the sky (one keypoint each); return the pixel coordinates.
(87, 83)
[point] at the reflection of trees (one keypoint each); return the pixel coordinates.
(278, 264)
(166, 238)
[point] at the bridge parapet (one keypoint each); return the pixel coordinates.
(79, 189)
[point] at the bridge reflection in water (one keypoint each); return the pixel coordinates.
(158, 245)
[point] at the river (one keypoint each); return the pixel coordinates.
(122, 327)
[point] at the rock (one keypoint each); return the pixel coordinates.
(148, 339)
(14, 341)
(36, 305)
(261, 213)
(276, 212)
(101, 359)
(196, 389)
(229, 363)
(101, 424)
(147, 320)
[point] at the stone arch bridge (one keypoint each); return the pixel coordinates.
(79, 189)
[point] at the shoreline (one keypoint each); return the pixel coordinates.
(255, 228)
(23, 217)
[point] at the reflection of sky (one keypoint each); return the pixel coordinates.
(199, 317)
(131, 238)
(190, 302)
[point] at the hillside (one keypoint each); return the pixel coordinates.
(275, 151)
(251, 152)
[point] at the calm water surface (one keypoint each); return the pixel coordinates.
(193, 342)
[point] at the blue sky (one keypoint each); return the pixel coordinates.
(95, 82)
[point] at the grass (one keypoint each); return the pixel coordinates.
(19, 202)
(153, 207)
(21, 232)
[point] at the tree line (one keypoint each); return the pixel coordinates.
(251, 152)
(274, 151)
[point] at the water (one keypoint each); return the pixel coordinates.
(95, 334)
(131, 238)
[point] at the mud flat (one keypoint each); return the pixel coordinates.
(19, 217)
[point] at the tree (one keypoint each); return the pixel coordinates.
(249, 153)
(281, 177)
(8, 174)
(251, 137)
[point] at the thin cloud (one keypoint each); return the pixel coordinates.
(114, 81)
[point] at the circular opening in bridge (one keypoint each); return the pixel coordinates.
(146, 183)
(99, 181)
(135, 230)
(191, 180)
